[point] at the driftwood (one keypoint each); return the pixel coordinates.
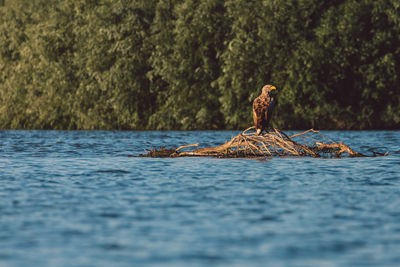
(273, 143)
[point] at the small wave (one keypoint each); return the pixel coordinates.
(112, 246)
(112, 171)
(110, 215)
(268, 218)
(5, 256)
(379, 184)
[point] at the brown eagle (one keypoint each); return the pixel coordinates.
(263, 106)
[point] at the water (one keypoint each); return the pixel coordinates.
(85, 199)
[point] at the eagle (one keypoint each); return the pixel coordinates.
(263, 106)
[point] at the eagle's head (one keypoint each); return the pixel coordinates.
(267, 89)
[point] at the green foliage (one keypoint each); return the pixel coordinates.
(186, 64)
(191, 64)
(111, 62)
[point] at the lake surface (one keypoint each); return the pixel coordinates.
(84, 198)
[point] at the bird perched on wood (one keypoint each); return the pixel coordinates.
(263, 106)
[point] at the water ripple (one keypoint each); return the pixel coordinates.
(81, 199)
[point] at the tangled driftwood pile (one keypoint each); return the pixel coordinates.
(273, 143)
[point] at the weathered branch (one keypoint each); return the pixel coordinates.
(179, 148)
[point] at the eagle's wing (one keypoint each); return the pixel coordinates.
(269, 111)
(259, 110)
(254, 113)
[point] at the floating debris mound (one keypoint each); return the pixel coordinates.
(248, 144)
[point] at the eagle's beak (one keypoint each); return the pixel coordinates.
(273, 88)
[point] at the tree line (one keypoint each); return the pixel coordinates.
(188, 64)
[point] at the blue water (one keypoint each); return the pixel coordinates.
(85, 199)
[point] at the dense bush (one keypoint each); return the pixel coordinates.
(187, 64)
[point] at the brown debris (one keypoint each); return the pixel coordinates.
(273, 143)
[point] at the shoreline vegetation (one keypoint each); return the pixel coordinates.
(198, 65)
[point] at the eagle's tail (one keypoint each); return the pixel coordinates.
(258, 132)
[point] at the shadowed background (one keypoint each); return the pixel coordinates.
(186, 64)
